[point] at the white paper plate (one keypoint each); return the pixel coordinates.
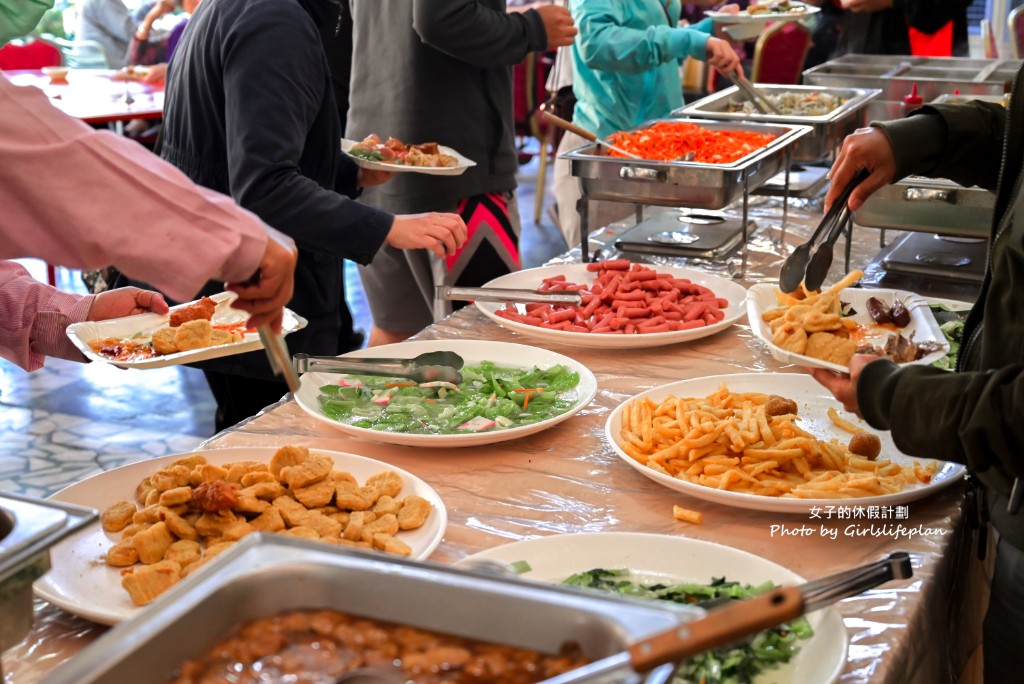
(146, 324)
(458, 169)
(923, 326)
(744, 26)
(531, 279)
(472, 351)
(813, 401)
(81, 583)
(655, 557)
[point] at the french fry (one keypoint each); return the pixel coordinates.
(687, 515)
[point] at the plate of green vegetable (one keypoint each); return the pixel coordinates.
(507, 391)
(688, 571)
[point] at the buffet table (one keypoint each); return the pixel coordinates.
(567, 479)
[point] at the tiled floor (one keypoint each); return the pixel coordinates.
(67, 420)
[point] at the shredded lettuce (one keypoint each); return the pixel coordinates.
(500, 397)
(737, 664)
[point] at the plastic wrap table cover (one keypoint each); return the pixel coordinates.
(567, 479)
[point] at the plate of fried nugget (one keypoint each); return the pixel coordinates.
(207, 328)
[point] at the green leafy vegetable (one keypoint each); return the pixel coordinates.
(952, 326)
(738, 664)
(490, 397)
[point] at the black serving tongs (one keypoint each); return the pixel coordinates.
(811, 270)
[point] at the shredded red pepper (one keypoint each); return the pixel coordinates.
(670, 140)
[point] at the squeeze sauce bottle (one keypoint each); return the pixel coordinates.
(912, 101)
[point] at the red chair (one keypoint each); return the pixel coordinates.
(780, 53)
(1016, 24)
(34, 54)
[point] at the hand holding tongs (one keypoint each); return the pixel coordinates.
(801, 266)
(763, 104)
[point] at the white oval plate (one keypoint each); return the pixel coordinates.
(458, 169)
(813, 401)
(744, 26)
(923, 326)
(81, 582)
(146, 324)
(472, 351)
(530, 279)
(656, 557)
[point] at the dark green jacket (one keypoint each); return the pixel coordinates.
(976, 415)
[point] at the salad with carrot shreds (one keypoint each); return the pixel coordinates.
(490, 397)
(671, 140)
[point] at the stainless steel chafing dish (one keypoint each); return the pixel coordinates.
(682, 184)
(267, 574)
(28, 528)
(827, 130)
(896, 75)
(929, 205)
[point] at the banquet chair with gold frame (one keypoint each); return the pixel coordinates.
(780, 53)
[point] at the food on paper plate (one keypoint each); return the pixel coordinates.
(776, 7)
(322, 645)
(190, 328)
(741, 662)
(185, 514)
(394, 151)
(489, 398)
(672, 140)
(731, 441)
(624, 299)
(820, 325)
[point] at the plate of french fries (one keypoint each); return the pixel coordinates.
(767, 441)
(825, 329)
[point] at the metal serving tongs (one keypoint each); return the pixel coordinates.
(763, 104)
(801, 266)
(505, 294)
(738, 619)
(438, 366)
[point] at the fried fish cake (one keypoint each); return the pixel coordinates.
(831, 348)
(193, 335)
(163, 341)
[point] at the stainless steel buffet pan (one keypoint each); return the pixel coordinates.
(827, 130)
(929, 205)
(682, 184)
(28, 528)
(898, 75)
(266, 574)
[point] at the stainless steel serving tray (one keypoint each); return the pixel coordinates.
(264, 575)
(28, 528)
(929, 205)
(682, 184)
(827, 130)
(897, 75)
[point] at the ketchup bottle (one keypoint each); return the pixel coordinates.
(912, 101)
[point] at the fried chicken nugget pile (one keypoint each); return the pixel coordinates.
(187, 513)
(809, 323)
(191, 328)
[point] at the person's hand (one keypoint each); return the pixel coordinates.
(867, 5)
(722, 56)
(266, 298)
(844, 386)
(559, 25)
(865, 148)
(125, 301)
(440, 233)
(158, 10)
(156, 73)
(366, 178)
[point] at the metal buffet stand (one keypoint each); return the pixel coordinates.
(678, 183)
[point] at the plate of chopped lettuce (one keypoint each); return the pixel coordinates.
(507, 391)
(688, 571)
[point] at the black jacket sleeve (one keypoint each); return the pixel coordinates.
(474, 33)
(271, 105)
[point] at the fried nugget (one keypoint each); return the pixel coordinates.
(223, 337)
(269, 520)
(779, 406)
(791, 338)
(317, 494)
(185, 552)
(314, 470)
(176, 496)
(390, 544)
(193, 335)
(831, 348)
(152, 543)
(415, 510)
(118, 516)
(178, 526)
(385, 524)
(201, 310)
(122, 554)
(163, 341)
(146, 583)
(387, 483)
(287, 456)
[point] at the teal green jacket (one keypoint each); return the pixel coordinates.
(974, 416)
(626, 61)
